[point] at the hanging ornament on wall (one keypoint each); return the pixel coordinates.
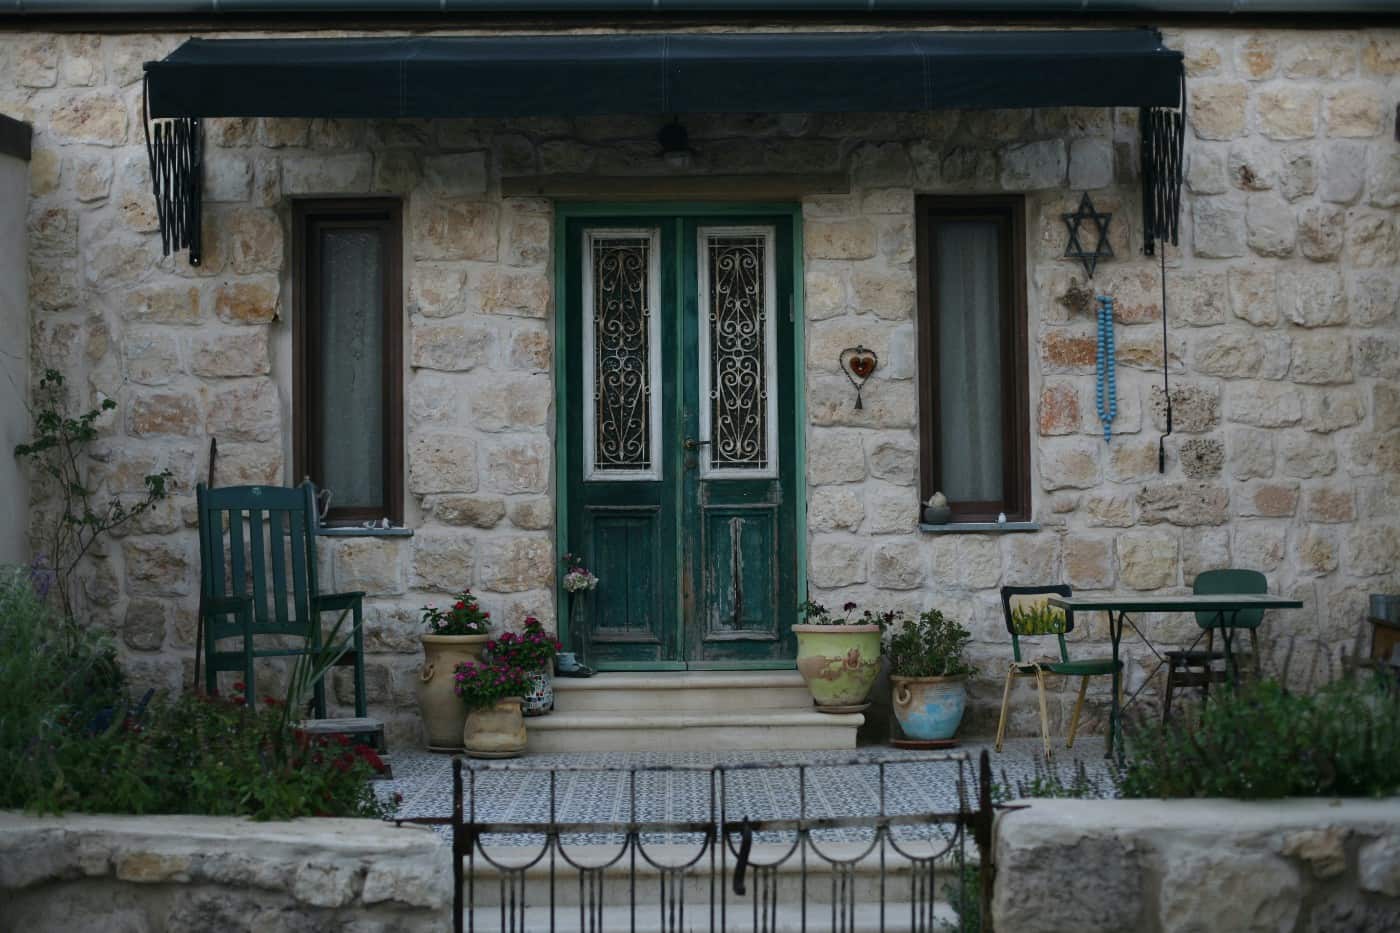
(1081, 233)
(858, 363)
(1106, 385)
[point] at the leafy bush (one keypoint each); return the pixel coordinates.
(531, 650)
(464, 618)
(482, 686)
(69, 740)
(930, 646)
(1261, 741)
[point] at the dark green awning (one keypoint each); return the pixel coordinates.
(442, 76)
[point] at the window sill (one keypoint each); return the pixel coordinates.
(355, 531)
(965, 528)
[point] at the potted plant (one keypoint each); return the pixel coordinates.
(928, 673)
(490, 696)
(578, 581)
(533, 652)
(454, 635)
(838, 655)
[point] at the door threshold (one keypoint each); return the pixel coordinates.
(765, 665)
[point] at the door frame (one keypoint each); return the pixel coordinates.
(567, 211)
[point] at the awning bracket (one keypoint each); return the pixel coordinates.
(175, 149)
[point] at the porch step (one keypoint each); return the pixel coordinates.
(681, 711)
(681, 691)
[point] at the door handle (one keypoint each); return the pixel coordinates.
(692, 444)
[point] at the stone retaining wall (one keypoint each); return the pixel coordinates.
(1285, 346)
(135, 873)
(1199, 866)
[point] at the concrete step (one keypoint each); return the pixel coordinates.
(726, 730)
(681, 691)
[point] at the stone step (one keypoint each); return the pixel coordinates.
(687, 731)
(681, 691)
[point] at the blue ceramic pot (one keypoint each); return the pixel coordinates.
(929, 708)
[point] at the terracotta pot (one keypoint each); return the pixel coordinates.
(929, 708)
(495, 731)
(442, 710)
(838, 662)
(540, 699)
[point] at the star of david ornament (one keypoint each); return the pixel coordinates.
(1097, 222)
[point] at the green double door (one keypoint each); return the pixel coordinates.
(680, 437)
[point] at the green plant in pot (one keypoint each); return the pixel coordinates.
(838, 655)
(454, 635)
(928, 675)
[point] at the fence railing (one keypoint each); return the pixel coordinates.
(688, 848)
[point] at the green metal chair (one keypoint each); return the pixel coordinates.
(1194, 667)
(263, 539)
(1018, 603)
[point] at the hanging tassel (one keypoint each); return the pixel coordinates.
(175, 152)
(1106, 386)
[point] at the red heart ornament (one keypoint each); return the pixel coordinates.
(862, 365)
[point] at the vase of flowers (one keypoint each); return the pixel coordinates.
(839, 655)
(928, 676)
(490, 696)
(578, 582)
(454, 635)
(533, 651)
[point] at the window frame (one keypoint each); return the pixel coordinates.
(309, 217)
(1008, 211)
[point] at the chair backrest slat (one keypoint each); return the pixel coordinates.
(257, 559)
(275, 530)
(298, 547)
(213, 552)
(238, 568)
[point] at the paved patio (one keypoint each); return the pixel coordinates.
(680, 786)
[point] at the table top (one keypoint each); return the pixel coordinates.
(1139, 602)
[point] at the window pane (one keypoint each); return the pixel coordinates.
(968, 283)
(735, 379)
(623, 347)
(350, 396)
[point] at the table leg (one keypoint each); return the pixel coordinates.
(1227, 635)
(1115, 635)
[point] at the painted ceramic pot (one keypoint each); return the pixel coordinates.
(442, 710)
(495, 731)
(540, 699)
(838, 662)
(929, 708)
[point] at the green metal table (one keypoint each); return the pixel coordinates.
(1118, 608)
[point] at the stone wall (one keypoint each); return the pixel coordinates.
(1283, 350)
(1282, 866)
(139, 873)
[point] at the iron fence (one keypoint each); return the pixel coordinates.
(724, 862)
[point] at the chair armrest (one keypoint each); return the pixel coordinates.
(331, 601)
(219, 605)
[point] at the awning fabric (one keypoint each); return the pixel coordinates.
(442, 76)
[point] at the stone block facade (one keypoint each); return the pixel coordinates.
(1284, 345)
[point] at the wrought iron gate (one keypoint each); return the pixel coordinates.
(724, 869)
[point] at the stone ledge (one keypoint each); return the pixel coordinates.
(355, 531)
(964, 528)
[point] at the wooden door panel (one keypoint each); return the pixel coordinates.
(627, 548)
(740, 547)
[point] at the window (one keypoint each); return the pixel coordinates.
(973, 399)
(348, 356)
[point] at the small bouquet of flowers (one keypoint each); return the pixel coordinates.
(531, 650)
(463, 618)
(482, 686)
(577, 578)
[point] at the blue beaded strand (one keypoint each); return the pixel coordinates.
(1106, 384)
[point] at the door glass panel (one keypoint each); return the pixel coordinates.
(351, 351)
(738, 408)
(622, 352)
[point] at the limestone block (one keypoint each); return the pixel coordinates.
(251, 301)
(1195, 408)
(1259, 545)
(1378, 355)
(227, 177)
(1264, 404)
(280, 132)
(1386, 406)
(1287, 112)
(250, 464)
(438, 289)
(1132, 459)
(1355, 111)
(455, 229)
(1253, 295)
(881, 164)
(516, 292)
(888, 403)
(1198, 300)
(514, 403)
(1332, 504)
(531, 349)
(150, 359)
(1205, 170)
(248, 410)
(1088, 562)
(532, 513)
(157, 566)
(1203, 549)
(1328, 410)
(518, 466)
(1376, 454)
(1111, 510)
(1263, 892)
(1147, 560)
(327, 174)
(516, 564)
(1321, 230)
(53, 230)
(836, 561)
(895, 460)
(441, 463)
(824, 290)
(255, 240)
(442, 561)
(1058, 411)
(1324, 57)
(143, 626)
(1343, 172)
(1063, 350)
(1378, 866)
(1069, 464)
(1217, 109)
(1233, 354)
(324, 885)
(96, 118)
(840, 239)
(890, 509)
(1184, 504)
(835, 457)
(1217, 228)
(1297, 172)
(475, 511)
(1318, 550)
(968, 167)
(1372, 297)
(527, 240)
(1098, 889)
(835, 508)
(888, 293)
(1202, 56)
(1380, 54)
(396, 170)
(1384, 182)
(1090, 163)
(162, 412)
(1372, 241)
(1032, 558)
(1372, 549)
(1036, 166)
(1253, 165)
(449, 347)
(35, 62)
(1307, 455)
(1256, 56)
(1269, 499)
(898, 564)
(373, 565)
(456, 174)
(1202, 457)
(1321, 359)
(224, 355)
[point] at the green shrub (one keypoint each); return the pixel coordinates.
(930, 646)
(1261, 741)
(70, 740)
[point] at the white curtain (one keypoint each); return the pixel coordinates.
(351, 352)
(968, 283)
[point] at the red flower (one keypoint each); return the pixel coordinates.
(239, 686)
(460, 605)
(239, 701)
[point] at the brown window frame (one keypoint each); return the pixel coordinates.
(309, 216)
(1009, 211)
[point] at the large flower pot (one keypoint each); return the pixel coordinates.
(442, 710)
(839, 663)
(495, 731)
(929, 708)
(540, 699)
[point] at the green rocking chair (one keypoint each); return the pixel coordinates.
(1027, 613)
(257, 555)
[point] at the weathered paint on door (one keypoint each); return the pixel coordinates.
(680, 456)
